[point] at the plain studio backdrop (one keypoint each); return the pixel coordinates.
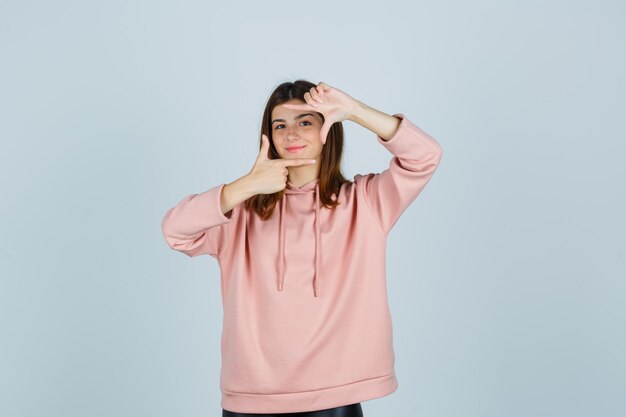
(506, 275)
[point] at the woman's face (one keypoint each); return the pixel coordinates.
(296, 133)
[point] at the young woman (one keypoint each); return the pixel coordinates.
(307, 330)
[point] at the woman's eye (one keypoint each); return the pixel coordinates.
(304, 121)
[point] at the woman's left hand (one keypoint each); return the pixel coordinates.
(333, 103)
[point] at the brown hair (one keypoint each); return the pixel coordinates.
(330, 179)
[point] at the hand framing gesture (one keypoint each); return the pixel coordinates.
(333, 103)
(270, 175)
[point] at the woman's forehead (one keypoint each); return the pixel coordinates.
(281, 112)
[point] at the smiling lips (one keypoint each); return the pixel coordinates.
(295, 149)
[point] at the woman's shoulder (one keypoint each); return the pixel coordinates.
(349, 188)
(357, 188)
(360, 180)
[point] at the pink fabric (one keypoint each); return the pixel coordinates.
(306, 320)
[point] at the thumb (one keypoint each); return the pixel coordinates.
(265, 147)
(324, 132)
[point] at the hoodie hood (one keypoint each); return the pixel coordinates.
(291, 191)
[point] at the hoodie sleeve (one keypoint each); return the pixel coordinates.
(197, 226)
(416, 157)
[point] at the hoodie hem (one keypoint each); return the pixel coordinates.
(309, 400)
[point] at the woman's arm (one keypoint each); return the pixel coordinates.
(380, 123)
(416, 156)
(235, 193)
(198, 225)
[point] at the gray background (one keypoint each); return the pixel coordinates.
(506, 275)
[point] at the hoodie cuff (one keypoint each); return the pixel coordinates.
(214, 196)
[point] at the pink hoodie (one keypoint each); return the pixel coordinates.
(306, 321)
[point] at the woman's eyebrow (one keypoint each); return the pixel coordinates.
(300, 116)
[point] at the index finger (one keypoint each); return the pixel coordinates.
(297, 161)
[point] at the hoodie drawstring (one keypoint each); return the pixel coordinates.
(281, 242)
(318, 252)
(281, 245)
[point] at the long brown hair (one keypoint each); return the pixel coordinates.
(330, 178)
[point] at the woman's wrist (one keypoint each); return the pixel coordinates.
(236, 192)
(357, 111)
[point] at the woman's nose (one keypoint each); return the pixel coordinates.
(291, 134)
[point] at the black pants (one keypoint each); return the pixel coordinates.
(352, 410)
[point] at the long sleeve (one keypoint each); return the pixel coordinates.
(197, 226)
(416, 157)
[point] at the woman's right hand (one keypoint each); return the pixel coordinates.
(270, 175)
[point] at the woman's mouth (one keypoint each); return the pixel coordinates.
(295, 149)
